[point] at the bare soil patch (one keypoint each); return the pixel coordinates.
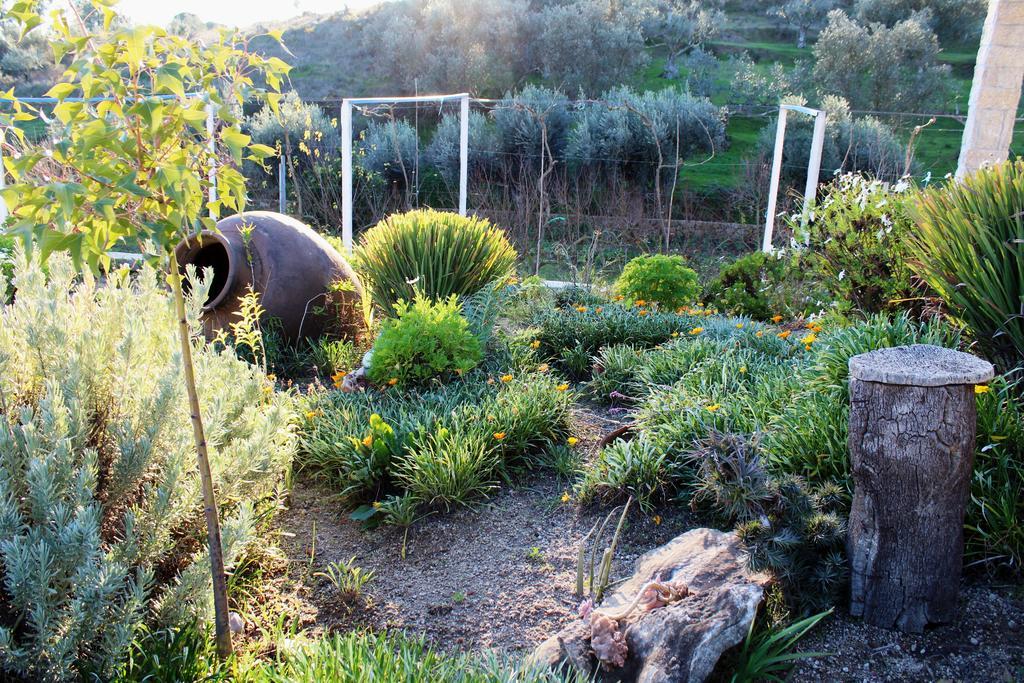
(497, 576)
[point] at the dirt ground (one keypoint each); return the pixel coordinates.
(500, 576)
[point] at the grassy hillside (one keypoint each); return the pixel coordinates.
(329, 63)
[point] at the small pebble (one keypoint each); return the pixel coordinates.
(974, 641)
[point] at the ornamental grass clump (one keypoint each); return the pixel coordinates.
(969, 247)
(100, 499)
(425, 340)
(436, 253)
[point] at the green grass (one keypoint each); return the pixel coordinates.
(725, 168)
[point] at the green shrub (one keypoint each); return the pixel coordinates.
(98, 481)
(994, 528)
(583, 330)
(336, 424)
(970, 249)
(445, 446)
(659, 279)
(801, 540)
(628, 468)
(358, 657)
(310, 133)
(450, 466)
(6, 264)
(425, 340)
(433, 252)
(859, 232)
(763, 285)
(808, 436)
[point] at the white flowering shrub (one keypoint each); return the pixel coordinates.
(99, 493)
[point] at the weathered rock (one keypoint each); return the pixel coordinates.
(683, 640)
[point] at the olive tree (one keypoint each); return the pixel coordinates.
(952, 20)
(134, 164)
(879, 68)
(803, 16)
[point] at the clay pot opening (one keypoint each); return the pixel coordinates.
(210, 250)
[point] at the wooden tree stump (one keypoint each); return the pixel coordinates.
(912, 427)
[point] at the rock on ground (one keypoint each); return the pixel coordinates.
(683, 640)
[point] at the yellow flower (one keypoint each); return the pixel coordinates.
(572, 441)
(981, 388)
(759, 333)
(618, 298)
(696, 330)
(393, 381)
(581, 309)
(739, 326)
(713, 407)
(499, 435)
(566, 497)
(377, 505)
(562, 387)
(642, 311)
(535, 344)
(743, 370)
(809, 339)
(784, 334)
(543, 367)
(368, 441)
(776, 318)
(641, 302)
(506, 378)
(310, 414)
(675, 334)
(656, 519)
(272, 377)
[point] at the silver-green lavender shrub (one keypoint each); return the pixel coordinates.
(98, 482)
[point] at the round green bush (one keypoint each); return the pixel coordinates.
(435, 253)
(426, 339)
(664, 280)
(762, 286)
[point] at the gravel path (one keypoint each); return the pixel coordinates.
(985, 644)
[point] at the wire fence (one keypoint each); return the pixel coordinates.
(542, 190)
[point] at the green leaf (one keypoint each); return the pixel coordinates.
(235, 141)
(61, 90)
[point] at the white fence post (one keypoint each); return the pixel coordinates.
(814, 162)
(464, 155)
(346, 174)
(211, 146)
(282, 187)
(773, 187)
(813, 167)
(3, 177)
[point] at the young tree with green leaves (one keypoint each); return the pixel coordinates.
(132, 162)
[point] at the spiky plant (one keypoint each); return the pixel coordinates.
(435, 252)
(800, 539)
(730, 476)
(970, 249)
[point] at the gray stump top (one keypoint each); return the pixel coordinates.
(920, 365)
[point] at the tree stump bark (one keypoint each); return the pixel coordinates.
(912, 428)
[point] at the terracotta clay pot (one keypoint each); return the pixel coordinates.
(294, 270)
